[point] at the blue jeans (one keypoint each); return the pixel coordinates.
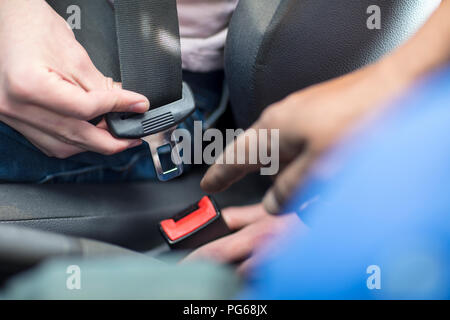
(20, 161)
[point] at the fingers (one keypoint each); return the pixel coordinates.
(71, 131)
(245, 267)
(240, 245)
(227, 169)
(286, 182)
(49, 110)
(99, 140)
(227, 249)
(235, 247)
(46, 143)
(279, 225)
(77, 103)
(220, 177)
(102, 124)
(53, 91)
(276, 133)
(239, 217)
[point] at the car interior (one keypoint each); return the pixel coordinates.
(274, 47)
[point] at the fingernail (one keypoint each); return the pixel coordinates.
(271, 203)
(206, 185)
(140, 106)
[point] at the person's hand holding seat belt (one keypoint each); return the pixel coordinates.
(49, 87)
(311, 120)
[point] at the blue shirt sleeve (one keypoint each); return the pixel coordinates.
(379, 211)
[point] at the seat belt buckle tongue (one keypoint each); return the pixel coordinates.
(165, 155)
(156, 127)
(127, 125)
(195, 226)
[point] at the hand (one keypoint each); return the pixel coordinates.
(253, 226)
(309, 122)
(49, 87)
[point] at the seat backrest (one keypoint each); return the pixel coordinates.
(123, 214)
(276, 47)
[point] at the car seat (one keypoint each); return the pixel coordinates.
(274, 47)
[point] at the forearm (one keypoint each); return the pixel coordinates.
(426, 51)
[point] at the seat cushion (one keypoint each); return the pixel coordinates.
(123, 214)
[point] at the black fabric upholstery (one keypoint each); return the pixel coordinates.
(121, 214)
(276, 47)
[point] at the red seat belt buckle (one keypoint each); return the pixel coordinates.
(195, 226)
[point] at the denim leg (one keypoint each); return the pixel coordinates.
(20, 161)
(23, 162)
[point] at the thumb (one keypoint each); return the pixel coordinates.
(117, 100)
(286, 183)
(67, 99)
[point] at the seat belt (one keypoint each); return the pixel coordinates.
(150, 63)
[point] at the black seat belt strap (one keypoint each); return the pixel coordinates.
(150, 63)
(149, 49)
